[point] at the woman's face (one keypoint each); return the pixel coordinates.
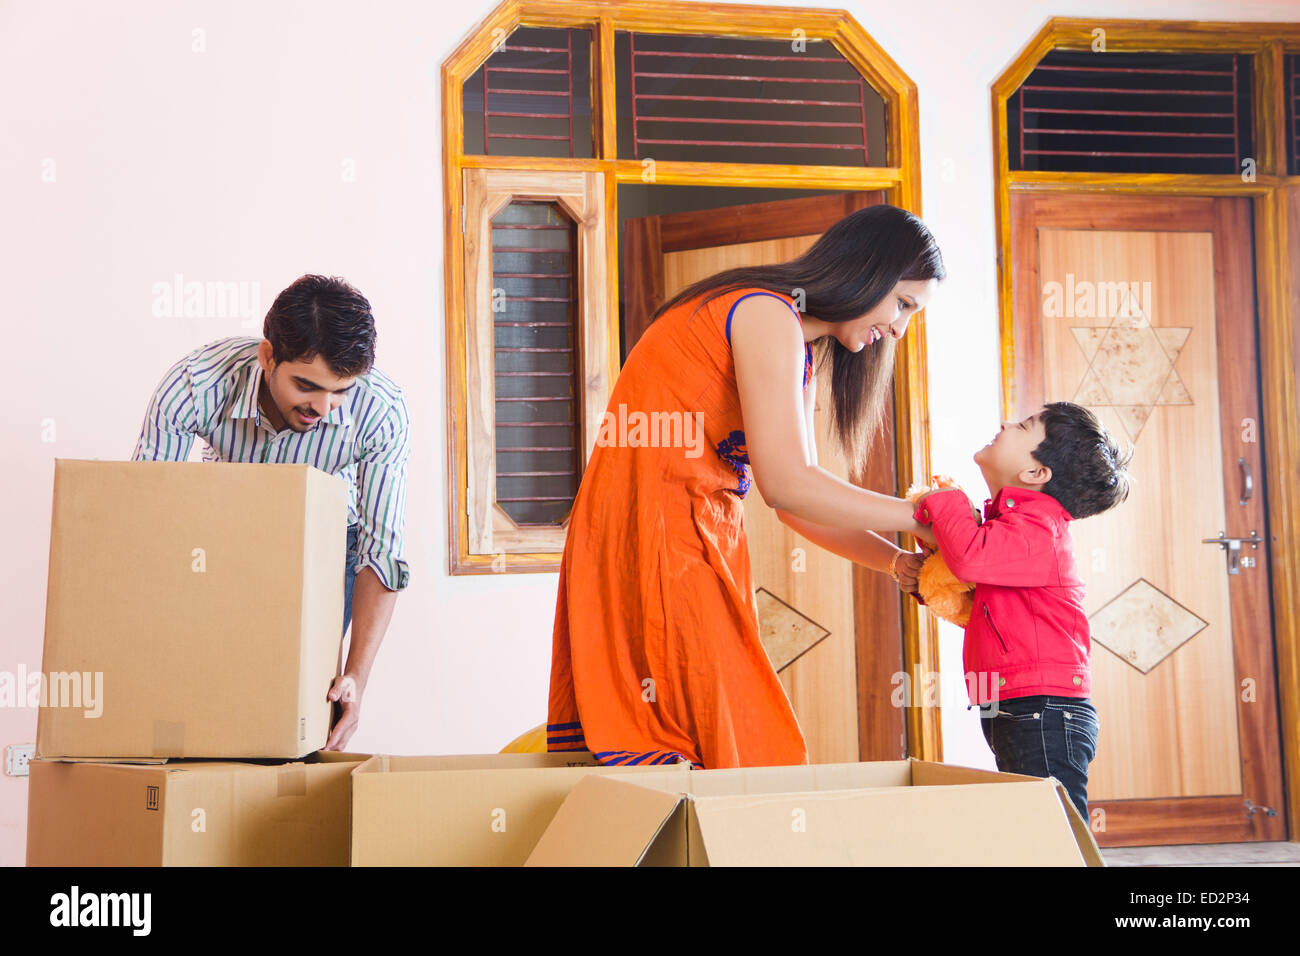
(888, 318)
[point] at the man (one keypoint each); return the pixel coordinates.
(307, 393)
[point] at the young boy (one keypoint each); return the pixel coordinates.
(1026, 649)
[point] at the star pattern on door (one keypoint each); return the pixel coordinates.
(1131, 366)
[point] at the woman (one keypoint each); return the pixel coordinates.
(656, 653)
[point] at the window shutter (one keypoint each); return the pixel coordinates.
(1133, 112)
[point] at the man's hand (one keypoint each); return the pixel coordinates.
(908, 567)
(344, 692)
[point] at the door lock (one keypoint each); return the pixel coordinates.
(1233, 547)
(1251, 810)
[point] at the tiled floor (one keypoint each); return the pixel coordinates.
(1210, 854)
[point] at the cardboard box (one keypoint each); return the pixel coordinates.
(894, 813)
(486, 810)
(194, 609)
(191, 813)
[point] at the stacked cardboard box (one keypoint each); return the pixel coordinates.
(194, 611)
(191, 813)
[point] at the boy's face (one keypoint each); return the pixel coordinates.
(1009, 458)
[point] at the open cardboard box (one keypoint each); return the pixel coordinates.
(468, 810)
(191, 813)
(893, 813)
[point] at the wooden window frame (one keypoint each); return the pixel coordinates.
(1275, 246)
(899, 180)
(580, 195)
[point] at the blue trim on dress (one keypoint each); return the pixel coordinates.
(628, 758)
(732, 310)
(735, 453)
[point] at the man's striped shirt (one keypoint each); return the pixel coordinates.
(212, 393)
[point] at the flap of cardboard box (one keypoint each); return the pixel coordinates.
(140, 761)
(386, 763)
(606, 821)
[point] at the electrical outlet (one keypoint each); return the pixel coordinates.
(18, 759)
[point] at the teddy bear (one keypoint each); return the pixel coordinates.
(938, 588)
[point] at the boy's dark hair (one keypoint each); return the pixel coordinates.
(319, 315)
(1088, 468)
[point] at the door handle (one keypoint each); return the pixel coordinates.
(1233, 547)
(1247, 481)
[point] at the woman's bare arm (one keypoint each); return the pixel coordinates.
(768, 348)
(862, 547)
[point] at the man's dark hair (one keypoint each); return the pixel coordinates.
(1088, 468)
(320, 315)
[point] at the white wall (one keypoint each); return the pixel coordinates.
(226, 165)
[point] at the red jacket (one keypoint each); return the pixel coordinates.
(1028, 633)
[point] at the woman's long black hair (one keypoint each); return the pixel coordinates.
(847, 271)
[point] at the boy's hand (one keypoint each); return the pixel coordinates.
(976, 513)
(908, 567)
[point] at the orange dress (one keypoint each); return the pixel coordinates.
(656, 652)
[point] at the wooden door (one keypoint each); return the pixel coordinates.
(1143, 309)
(832, 629)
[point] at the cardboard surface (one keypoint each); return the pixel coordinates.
(833, 776)
(895, 813)
(191, 813)
(198, 607)
(486, 810)
(900, 826)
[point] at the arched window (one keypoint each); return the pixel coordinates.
(545, 111)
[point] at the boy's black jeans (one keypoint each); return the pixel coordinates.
(1045, 737)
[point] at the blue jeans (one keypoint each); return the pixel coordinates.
(349, 576)
(1045, 737)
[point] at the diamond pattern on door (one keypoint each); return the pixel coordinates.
(1143, 625)
(786, 634)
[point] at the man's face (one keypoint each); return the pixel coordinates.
(304, 392)
(1009, 458)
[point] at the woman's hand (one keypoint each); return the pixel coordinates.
(924, 534)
